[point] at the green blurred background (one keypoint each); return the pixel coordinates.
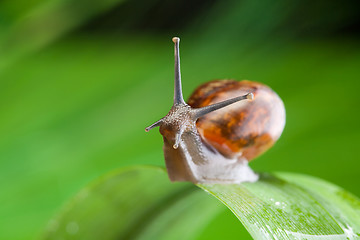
(81, 79)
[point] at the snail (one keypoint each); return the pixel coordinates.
(224, 125)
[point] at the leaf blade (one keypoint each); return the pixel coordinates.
(141, 203)
(277, 208)
(134, 203)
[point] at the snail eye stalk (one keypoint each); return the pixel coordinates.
(178, 96)
(199, 112)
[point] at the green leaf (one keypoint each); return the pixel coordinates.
(134, 203)
(141, 203)
(292, 206)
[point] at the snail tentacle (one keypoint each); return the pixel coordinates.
(178, 96)
(199, 112)
(154, 125)
(178, 138)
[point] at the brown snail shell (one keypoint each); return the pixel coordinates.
(245, 129)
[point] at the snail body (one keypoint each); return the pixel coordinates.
(224, 125)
